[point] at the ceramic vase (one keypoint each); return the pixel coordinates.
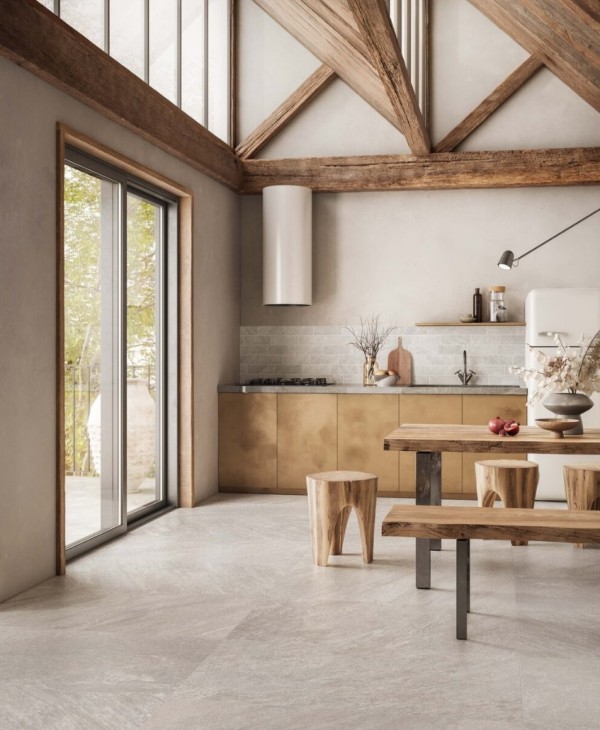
(570, 405)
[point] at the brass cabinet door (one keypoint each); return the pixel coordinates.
(477, 411)
(363, 423)
(431, 409)
(248, 440)
(306, 437)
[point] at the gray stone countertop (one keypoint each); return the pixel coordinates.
(376, 390)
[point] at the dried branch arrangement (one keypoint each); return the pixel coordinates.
(370, 338)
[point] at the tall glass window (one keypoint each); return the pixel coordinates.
(116, 260)
(127, 35)
(180, 47)
(86, 16)
(164, 25)
(410, 19)
(194, 64)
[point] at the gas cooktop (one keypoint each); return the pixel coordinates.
(288, 381)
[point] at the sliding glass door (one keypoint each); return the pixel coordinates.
(116, 371)
(145, 382)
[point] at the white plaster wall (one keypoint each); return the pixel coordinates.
(338, 122)
(415, 256)
(29, 111)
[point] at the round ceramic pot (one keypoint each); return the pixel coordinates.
(571, 405)
(141, 430)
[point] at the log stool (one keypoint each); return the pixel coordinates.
(582, 487)
(514, 481)
(331, 496)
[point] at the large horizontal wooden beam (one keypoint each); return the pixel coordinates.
(376, 29)
(489, 105)
(439, 171)
(285, 112)
(36, 39)
(564, 34)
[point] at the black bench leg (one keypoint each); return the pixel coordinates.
(429, 484)
(423, 561)
(463, 586)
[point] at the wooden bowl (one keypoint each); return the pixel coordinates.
(556, 426)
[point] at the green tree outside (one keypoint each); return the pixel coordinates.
(82, 302)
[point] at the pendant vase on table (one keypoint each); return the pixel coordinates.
(369, 368)
(570, 405)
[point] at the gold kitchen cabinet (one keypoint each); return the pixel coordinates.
(431, 409)
(247, 441)
(477, 411)
(306, 438)
(363, 423)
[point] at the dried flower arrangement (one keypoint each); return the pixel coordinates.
(572, 370)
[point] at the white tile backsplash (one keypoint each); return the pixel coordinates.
(325, 352)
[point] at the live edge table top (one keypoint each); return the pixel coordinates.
(449, 437)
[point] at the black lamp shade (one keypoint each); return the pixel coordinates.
(506, 260)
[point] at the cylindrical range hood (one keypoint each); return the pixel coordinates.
(287, 245)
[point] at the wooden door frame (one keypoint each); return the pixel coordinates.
(185, 397)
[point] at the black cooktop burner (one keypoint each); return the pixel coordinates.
(288, 381)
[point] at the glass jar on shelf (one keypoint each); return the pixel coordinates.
(498, 311)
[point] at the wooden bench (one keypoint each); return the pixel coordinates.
(484, 523)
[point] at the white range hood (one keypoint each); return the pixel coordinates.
(287, 245)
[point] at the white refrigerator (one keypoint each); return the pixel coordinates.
(570, 313)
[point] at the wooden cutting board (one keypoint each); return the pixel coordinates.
(400, 360)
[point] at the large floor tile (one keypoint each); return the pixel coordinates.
(217, 618)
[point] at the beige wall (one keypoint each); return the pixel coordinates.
(416, 256)
(29, 111)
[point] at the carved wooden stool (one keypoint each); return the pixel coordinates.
(331, 496)
(582, 487)
(513, 480)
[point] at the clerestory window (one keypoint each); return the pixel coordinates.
(179, 47)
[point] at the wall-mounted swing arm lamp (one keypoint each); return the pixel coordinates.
(508, 259)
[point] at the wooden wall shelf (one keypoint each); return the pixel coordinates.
(470, 324)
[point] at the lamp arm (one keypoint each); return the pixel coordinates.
(564, 230)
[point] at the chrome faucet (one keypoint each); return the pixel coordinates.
(464, 374)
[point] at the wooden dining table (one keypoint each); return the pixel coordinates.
(430, 440)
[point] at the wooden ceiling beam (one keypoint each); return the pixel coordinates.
(337, 14)
(440, 171)
(490, 104)
(376, 28)
(285, 112)
(328, 35)
(565, 35)
(34, 38)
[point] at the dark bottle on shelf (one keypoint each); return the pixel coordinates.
(478, 306)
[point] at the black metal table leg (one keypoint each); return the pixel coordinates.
(423, 563)
(429, 483)
(463, 586)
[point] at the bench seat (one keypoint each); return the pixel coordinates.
(483, 523)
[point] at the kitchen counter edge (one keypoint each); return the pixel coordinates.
(376, 390)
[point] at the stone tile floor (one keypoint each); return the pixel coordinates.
(216, 618)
